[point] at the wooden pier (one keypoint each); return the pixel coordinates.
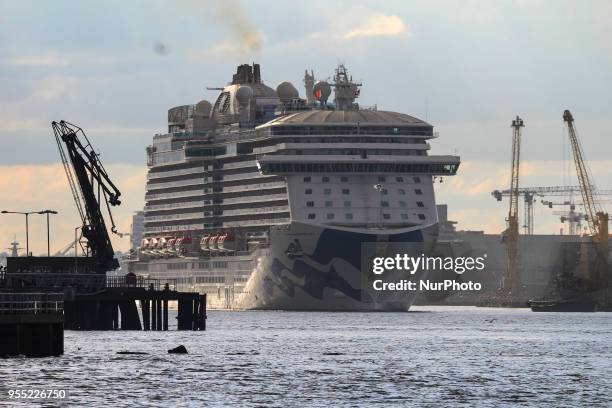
(31, 324)
(116, 307)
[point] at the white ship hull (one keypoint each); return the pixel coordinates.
(306, 267)
(325, 271)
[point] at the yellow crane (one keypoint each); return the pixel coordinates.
(597, 219)
(511, 282)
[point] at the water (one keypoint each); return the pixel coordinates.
(434, 356)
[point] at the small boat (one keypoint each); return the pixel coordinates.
(580, 304)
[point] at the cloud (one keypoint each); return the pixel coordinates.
(379, 25)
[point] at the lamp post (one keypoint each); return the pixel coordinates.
(48, 236)
(27, 214)
(27, 226)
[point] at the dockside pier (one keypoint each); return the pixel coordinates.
(101, 310)
(31, 324)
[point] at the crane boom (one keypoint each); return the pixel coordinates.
(90, 176)
(596, 219)
(512, 234)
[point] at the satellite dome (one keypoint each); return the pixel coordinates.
(203, 108)
(243, 94)
(285, 90)
(321, 91)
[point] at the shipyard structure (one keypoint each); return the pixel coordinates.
(263, 199)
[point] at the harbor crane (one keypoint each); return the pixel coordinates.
(91, 180)
(596, 218)
(512, 232)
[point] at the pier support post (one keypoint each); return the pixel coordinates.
(202, 313)
(165, 314)
(159, 314)
(183, 311)
(115, 314)
(146, 315)
(154, 314)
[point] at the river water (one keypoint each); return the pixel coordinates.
(431, 357)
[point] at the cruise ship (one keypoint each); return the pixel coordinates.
(265, 200)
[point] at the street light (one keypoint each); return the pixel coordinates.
(27, 214)
(48, 237)
(27, 227)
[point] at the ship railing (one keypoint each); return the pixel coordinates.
(138, 281)
(21, 303)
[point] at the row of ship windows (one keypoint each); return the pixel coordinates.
(201, 279)
(201, 265)
(347, 204)
(346, 191)
(381, 179)
(210, 279)
(349, 216)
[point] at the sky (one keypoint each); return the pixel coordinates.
(466, 66)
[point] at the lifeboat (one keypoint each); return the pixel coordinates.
(204, 243)
(161, 246)
(170, 246)
(183, 245)
(213, 242)
(153, 247)
(177, 245)
(220, 241)
(144, 246)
